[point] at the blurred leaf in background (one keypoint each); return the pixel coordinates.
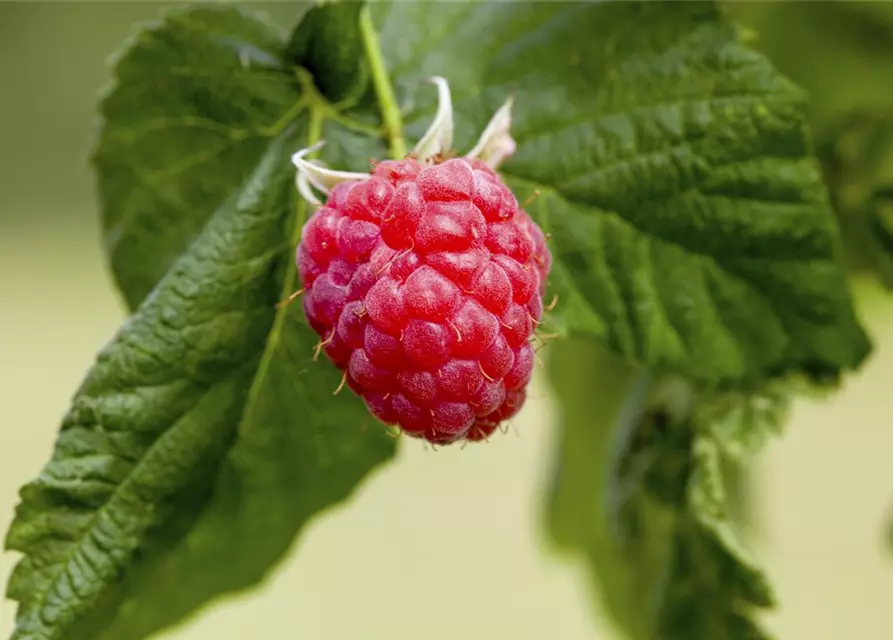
(842, 54)
(653, 522)
(848, 65)
(848, 75)
(858, 163)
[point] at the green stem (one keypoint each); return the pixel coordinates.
(384, 91)
(314, 126)
(287, 118)
(325, 109)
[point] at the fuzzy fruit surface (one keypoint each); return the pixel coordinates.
(425, 284)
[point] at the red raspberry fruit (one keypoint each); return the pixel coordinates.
(425, 283)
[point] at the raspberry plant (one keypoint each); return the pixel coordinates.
(424, 281)
(692, 247)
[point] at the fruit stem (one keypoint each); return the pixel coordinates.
(314, 126)
(384, 91)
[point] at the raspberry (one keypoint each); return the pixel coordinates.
(425, 280)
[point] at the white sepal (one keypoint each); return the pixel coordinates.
(320, 177)
(305, 189)
(496, 142)
(439, 137)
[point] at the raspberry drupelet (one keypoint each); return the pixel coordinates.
(425, 280)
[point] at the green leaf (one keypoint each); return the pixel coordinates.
(741, 421)
(688, 217)
(328, 45)
(849, 77)
(196, 99)
(640, 495)
(191, 457)
(141, 494)
(717, 588)
(850, 63)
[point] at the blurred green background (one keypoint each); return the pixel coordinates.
(442, 544)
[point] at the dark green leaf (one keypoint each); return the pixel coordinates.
(142, 510)
(195, 101)
(327, 43)
(640, 494)
(689, 221)
(202, 440)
